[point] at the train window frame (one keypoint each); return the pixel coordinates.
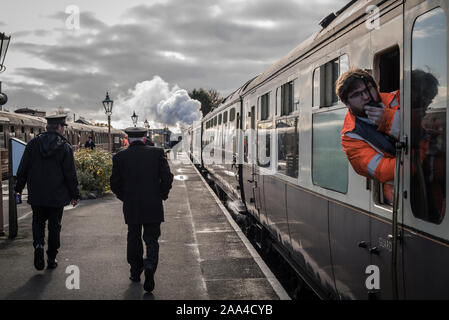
(220, 118)
(225, 116)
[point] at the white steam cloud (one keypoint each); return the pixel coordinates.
(155, 101)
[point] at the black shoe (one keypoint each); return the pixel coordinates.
(39, 262)
(135, 275)
(52, 263)
(148, 285)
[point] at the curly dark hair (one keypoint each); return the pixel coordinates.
(348, 81)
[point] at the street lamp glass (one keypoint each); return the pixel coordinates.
(134, 118)
(4, 43)
(107, 104)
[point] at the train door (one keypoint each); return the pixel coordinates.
(248, 156)
(387, 72)
(426, 225)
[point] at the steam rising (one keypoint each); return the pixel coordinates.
(155, 101)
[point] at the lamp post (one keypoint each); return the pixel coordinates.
(134, 118)
(4, 44)
(147, 125)
(107, 104)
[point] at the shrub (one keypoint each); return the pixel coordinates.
(94, 168)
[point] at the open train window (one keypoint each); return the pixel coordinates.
(387, 70)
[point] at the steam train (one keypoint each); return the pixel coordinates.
(333, 226)
(26, 127)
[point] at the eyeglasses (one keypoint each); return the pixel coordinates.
(358, 94)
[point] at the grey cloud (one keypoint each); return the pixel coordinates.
(220, 53)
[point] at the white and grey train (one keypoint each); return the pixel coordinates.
(329, 222)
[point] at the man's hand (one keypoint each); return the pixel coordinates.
(374, 113)
(74, 202)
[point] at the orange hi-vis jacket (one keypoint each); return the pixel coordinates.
(371, 149)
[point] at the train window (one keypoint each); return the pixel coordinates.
(1, 128)
(225, 117)
(429, 101)
(219, 118)
(288, 146)
(232, 115)
(264, 145)
(31, 130)
(23, 129)
(329, 162)
(265, 106)
(215, 121)
(324, 79)
(287, 98)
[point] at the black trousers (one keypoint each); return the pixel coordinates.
(54, 217)
(151, 234)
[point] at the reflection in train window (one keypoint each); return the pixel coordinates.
(428, 117)
(225, 117)
(219, 119)
(324, 78)
(288, 146)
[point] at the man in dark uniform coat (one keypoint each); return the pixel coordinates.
(48, 169)
(90, 143)
(141, 178)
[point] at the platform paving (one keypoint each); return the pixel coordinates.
(201, 256)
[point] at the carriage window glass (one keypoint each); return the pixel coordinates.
(215, 121)
(219, 118)
(324, 79)
(288, 147)
(287, 98)
(428, 117)
(31, 130)
(232, 115)
(23, 129)
(329, 162)
(225, 117)
(265, 106)
(1, 128)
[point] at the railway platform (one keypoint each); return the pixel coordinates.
(203, 254)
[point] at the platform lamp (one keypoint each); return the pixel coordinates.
(107, 104)
(147, 125)
(4, 44)
(134, 118)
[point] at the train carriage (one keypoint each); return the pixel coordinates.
(330, 223)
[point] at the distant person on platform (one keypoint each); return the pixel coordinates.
(90, 143)
(48, 169)
(125, 141)
(141, 178)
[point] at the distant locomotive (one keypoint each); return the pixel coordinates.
(330, 223)
(26, 127)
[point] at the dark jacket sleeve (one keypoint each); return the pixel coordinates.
(166, 176)
(69, 170)
(115, 180)
(22, 171)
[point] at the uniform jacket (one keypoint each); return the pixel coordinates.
(141, 178)
(371, 149)
(48, 169)
(89, 144)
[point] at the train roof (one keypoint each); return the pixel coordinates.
(331, 24)
(19, 119)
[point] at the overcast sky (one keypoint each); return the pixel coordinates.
(147, 54)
